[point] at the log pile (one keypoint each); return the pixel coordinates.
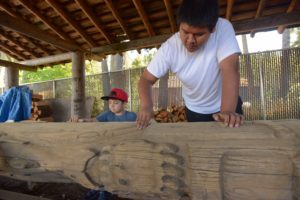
(171, 115)
(40, 110)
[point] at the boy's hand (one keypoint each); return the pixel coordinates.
(231, 119)
(75, 119)
(144, 117)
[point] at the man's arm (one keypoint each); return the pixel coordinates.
(230, 92)
(146, 105)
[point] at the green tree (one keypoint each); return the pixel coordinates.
(143, 60)
(296, 33)
(47, 73)
(57, 72)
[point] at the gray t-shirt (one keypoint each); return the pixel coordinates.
(109, 116)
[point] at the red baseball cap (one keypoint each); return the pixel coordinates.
(117, 93)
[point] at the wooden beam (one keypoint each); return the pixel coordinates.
(267, 22)
(261, 6)
(171, 17)
(8, 195)
(71, 21)
(31, 30)
(90, 14)
(291, 7)
(139, 7)
(14, 51)
(229, 9)
(115, 13)
(48, 60)
(16, 15)
(11, 54)
(131, 45)
(7, 9)
(27, 4)
(5, 63)
(17, 43)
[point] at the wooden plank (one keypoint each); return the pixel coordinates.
(259, 160)
(5, 63)
(48, 59)
(8, 195)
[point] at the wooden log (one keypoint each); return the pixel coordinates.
(260, 160)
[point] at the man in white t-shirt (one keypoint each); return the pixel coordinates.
(204, 56)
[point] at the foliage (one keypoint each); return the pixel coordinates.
(143, 60)
(47, 73)
(56, 72)
(296, 32)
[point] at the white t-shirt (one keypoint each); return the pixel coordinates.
(198, 71)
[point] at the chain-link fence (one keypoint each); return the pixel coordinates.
(270, 86)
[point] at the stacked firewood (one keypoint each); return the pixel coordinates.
(40, 110)
(171, 115)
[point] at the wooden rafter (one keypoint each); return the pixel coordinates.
(8, 9)
(115, 13)
(18, 44)
(171, 15)
(11, 54)
(71, 21)
(261, 6)
(14, 51)
(14, 14)
(90, 14)
(31, 30)
(134, 44)
(37, 45)
(229, 9)
(139, 7)
(27, 4)
(5, 63)
(290, 9)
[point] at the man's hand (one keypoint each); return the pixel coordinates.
(231, 119)
(144, 117)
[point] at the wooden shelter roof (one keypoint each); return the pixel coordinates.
(31, 29)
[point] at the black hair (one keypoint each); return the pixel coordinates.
(199, 13)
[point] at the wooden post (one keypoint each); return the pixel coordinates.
(163, 92)
(78, 85)
(105, 81)
(116, 76)
(12, 78)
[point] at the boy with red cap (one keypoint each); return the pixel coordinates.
(117, 100)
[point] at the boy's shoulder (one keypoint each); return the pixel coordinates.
(129, 113)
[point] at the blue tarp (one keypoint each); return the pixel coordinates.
(15, 104)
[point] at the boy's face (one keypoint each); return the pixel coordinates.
(116, 106)
(193, 37)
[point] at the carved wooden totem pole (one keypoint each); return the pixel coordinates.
(260, 160)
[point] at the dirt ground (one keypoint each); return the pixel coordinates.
(54, 191)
